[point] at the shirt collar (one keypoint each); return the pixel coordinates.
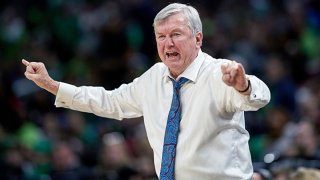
(192, 70)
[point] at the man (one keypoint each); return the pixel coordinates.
(211, 141)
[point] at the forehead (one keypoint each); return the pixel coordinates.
(174, 21)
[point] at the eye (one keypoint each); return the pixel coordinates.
(161, 37)
(176, 34)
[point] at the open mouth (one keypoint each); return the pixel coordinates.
(171, 54)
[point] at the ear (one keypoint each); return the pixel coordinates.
(199, 37)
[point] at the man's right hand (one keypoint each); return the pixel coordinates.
(37, 72)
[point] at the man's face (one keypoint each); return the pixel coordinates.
(176, 45)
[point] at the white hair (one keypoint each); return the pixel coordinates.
(191, 14)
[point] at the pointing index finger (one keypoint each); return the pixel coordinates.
(25, 62)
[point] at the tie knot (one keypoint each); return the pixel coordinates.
(179, 83)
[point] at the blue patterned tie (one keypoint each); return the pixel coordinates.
(171, 134)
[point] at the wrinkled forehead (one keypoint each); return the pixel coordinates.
(177, 19)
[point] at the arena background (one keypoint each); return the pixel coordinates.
(108, 43)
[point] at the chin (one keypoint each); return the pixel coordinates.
(173, 65)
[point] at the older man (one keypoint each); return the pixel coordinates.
(193, 104)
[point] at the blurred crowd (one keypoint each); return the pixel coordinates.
(110, 42)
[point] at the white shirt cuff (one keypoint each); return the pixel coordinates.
(65, 95)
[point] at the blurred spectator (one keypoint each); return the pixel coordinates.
(280, 131)
(308, 97)
(307, 141)
(114, 159)
(262, 174)
(305, 174)
(11, 164)
(279, 135)
(280, 83)
(66, 164)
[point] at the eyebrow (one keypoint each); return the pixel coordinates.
(173, 30)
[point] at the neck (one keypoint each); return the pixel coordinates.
(175, 74)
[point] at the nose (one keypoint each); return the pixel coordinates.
(169, 42)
